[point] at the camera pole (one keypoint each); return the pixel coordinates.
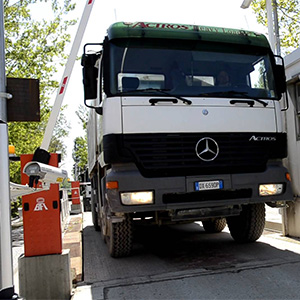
(6, 264)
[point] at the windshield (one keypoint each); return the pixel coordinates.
(190, 69)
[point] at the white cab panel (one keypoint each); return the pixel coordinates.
(112, 118)
(203, 115)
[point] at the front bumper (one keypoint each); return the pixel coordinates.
(175, 193)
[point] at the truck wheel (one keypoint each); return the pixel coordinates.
(214, 226)
(249, 225)
(120, 237)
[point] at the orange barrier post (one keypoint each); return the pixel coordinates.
(41, 216)
(75, 192)
(76, 204)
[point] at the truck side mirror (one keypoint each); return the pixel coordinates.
(90, 75)
(280, 78)
(280, 75)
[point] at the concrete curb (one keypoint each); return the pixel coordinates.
(72, 240)
(273, 226)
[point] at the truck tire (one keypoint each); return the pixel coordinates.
(249, 225)
(214, 225)
(119, 240)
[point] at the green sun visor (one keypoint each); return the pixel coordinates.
(186, 32)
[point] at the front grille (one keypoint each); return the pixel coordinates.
(174, 154)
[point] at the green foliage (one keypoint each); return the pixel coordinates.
(61, 130)
(80, 153)
(14, 207)
(34, 49)
(66, 185)
(83, 115)
(288, 19)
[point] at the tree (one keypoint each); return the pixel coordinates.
(34, 49)
(80, 155)
(288, 19)
(83, 115)
(61, 130)
(80, 152)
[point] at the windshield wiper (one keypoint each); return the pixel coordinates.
(236, 93)
(163, 91)
(245, 94)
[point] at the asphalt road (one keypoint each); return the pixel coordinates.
(184, 262)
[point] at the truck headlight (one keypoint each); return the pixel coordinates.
(270, 189)
(136, 198)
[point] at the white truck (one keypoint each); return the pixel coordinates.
(185, 126)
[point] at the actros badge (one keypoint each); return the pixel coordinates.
(207, 149)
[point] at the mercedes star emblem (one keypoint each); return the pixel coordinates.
(205, 112)
(207, 149)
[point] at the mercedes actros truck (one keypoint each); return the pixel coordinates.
(185, 125)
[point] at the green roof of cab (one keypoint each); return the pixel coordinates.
(186, 32)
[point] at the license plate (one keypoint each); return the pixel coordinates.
(209, 185)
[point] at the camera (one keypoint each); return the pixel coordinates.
(46, 173)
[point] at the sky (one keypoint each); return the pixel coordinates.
(219, 13)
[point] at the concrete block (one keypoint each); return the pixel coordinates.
(45, 276)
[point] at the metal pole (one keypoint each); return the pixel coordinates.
(3, 116)
(270, 24)
(276, 28)
(6, 264)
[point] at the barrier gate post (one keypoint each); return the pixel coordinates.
(44, 271)
(76, 207)
(41, 216)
